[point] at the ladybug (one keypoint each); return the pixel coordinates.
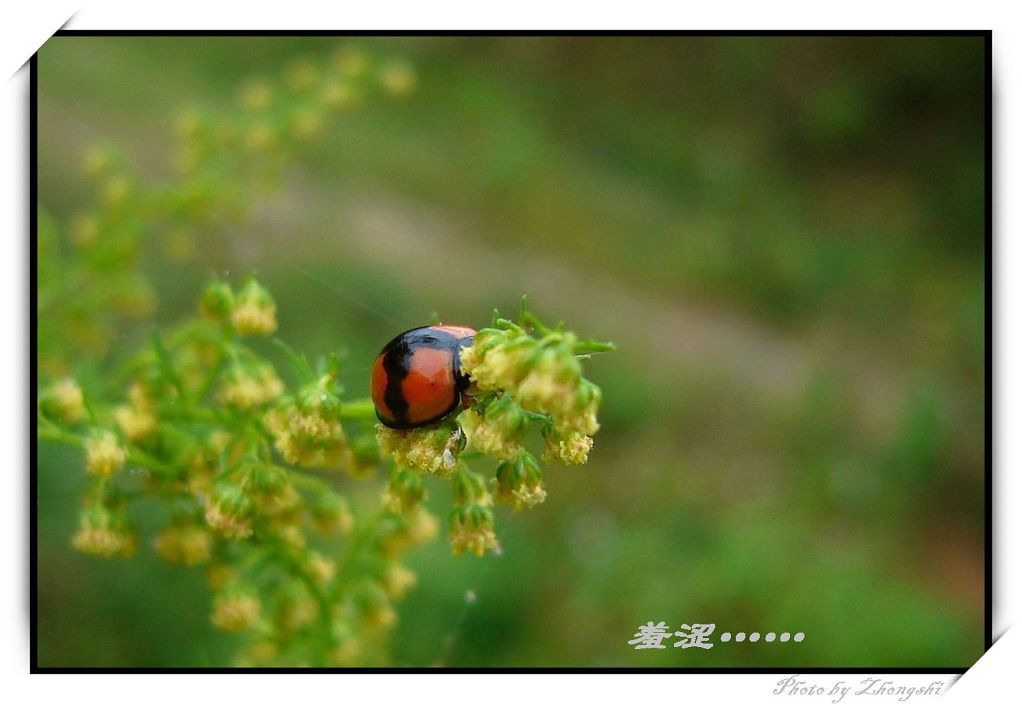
(417, 378)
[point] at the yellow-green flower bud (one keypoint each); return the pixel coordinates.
(405, 492)
(297, 608)
(331, 515)
(550, 384)
(580, 417)
(396, 580)
(245, 388)
(520, 483)
(471, 530)
(365, 457)
(500, 429)
(137, 423)
(400, 533)
(263, 480)
(236, 609)
(260, 653)
(105, 533)
(397, 78)
(187, 544)
(289, 533)
(319, 568)
(427, 450)
(63, 401)
(469, 487)
(227, 511)
(104, 455)
(254, 313)
(217, 302)
(346, 647)
(498, 359)
(374, 607)
(572, 448)
(307, 429)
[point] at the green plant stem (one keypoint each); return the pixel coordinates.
(359, 409)
(590, 347)
(48, 431)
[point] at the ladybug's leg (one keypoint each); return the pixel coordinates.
(467, 399)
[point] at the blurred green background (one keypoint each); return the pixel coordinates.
(784, 236)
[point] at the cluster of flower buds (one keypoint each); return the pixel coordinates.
(429, 450)
(497, 428)
(399, 533)
(405, 491)
(105, 532)
(217, 432)
(210, 428)
(331, 516)
(248, 386)
(185, 542)
(137, 418)
(306, 427)
(296, 607)
(104, 454)
(543, 375)
(236, 608)
(471, 530)
(216, 429)
(254, 311)
(524, 375)
(251, 311)
(471, 523)
(63, 402)
(207, 425)
(229, 510)
(519, 482)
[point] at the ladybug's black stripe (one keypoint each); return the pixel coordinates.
(397, 359)
(395, 364)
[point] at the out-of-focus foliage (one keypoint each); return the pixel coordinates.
(785, 237)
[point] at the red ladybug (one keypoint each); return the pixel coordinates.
(417, 378)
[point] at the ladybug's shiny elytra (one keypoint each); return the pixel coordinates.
(417, 378)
